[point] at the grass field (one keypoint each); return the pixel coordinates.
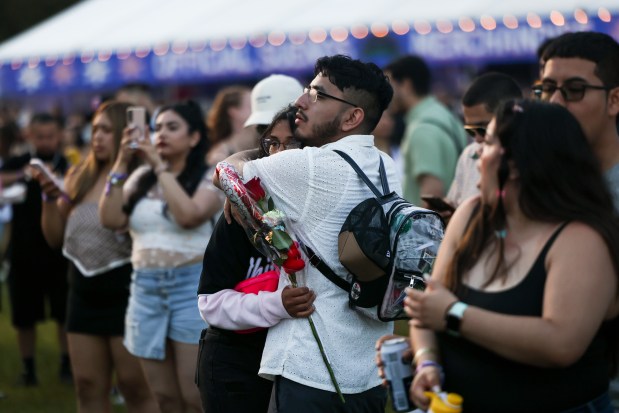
(50, 395)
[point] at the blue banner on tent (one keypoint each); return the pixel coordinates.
(205, 65)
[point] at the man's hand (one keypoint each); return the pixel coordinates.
(298, 302)
(407, 356)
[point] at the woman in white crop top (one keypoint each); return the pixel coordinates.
(99, 273)
(169, 208)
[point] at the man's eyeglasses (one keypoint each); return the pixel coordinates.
(473, 130)
(572, 90)
(314, 94)
(271, 144)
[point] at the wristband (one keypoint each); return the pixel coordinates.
(430, 363)
(114, 179)
(421, 352)
(47, 198)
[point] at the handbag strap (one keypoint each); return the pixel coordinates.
(363, 176)
(320, 265)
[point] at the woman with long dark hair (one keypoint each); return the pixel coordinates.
(521, 310)
(99, 273)
(169, 206)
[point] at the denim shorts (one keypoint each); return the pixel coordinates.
(163, 304)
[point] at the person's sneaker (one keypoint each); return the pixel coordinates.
(27, 380)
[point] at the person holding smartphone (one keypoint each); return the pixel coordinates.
(99, 271)
(37, 287)
(169, 206)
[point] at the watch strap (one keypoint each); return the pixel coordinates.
(453, 317)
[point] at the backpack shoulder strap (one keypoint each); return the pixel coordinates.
(363, 176)
(320, 265)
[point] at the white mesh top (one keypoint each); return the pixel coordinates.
(92, 248)
(158, 242)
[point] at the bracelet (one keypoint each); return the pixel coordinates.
(421, 352)
(114, 179)
(430, 363)
(47, 198)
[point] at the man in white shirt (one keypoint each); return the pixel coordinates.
(316, 189)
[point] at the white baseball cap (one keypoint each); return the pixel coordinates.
(271, 95)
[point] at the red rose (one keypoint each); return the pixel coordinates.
(292, 265)
(293, 251)
(255, 189)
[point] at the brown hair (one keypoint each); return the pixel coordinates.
(218, 122)
(83, 176)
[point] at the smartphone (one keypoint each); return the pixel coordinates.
(40, 166)
(438, 204)
(136, 119)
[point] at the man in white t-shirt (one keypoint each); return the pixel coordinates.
(316, 189)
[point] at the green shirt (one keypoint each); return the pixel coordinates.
(429, 146)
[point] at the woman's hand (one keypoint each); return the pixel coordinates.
(127, 148)
(48, 186)
(426, 379)
(427, 308)
(148, 151)
(298, 301)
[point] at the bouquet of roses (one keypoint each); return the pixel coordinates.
(266, 228)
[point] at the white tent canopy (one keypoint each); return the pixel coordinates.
(112, 25)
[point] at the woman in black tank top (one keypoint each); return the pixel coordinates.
(521, 312)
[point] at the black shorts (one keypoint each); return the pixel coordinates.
(227, 372)
(97, 304)
(35, 284)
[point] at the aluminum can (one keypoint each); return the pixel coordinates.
(398, 372)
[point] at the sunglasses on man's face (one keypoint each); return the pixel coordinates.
(475, 130)
(571, 90)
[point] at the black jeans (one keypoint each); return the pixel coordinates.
(292, 397)
(227, 372)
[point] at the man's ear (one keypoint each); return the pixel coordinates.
(613, 102)
(352, 119)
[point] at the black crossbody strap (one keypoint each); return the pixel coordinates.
(383, 176)
(364, 176)
(325, 269)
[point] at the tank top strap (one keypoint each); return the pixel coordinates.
(551, 240)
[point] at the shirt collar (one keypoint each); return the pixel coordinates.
(357, 140)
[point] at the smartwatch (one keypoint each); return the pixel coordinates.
(453, 317)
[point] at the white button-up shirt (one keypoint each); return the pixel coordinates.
(316, 189)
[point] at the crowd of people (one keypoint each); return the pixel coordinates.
(139, 255)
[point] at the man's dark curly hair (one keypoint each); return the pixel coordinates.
(364, 84)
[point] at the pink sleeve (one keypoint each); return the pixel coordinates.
(232, 310)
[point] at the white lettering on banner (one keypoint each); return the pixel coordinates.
(204, 64)
(499, 43)
(289, 56)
